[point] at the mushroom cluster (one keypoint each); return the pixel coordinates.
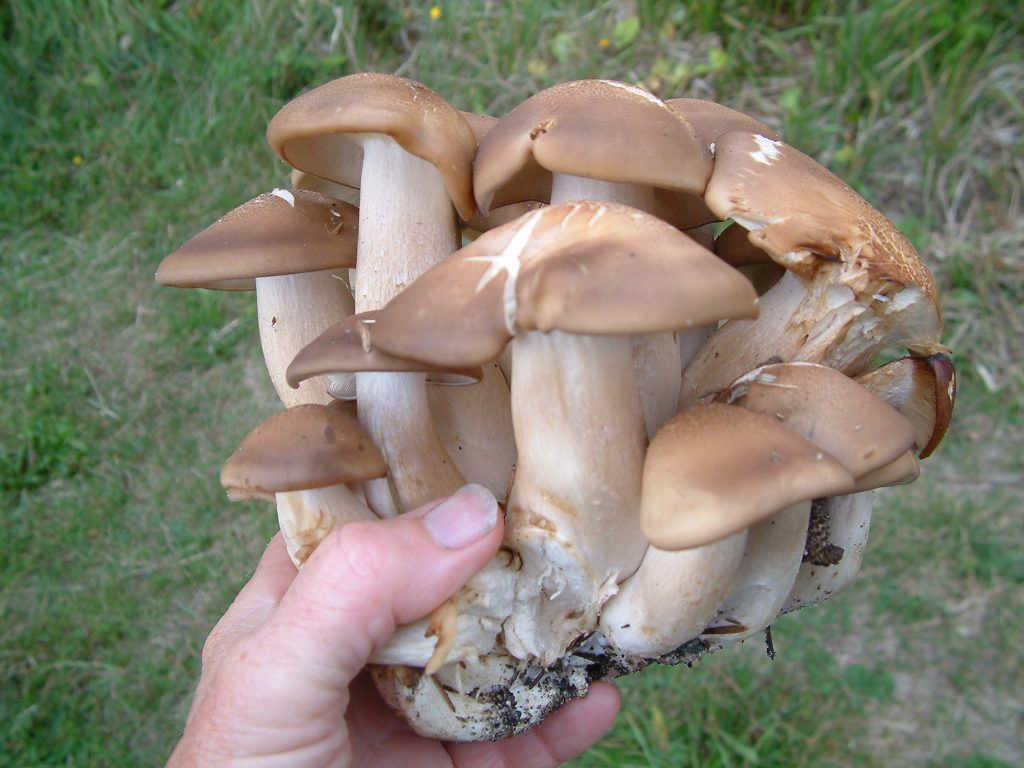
(659, 348)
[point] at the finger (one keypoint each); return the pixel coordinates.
(254, 603)
(567, 733)
(273, 575)
(368, 577)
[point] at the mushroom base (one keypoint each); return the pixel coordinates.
(500, 696)
(496, 695)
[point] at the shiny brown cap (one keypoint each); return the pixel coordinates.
(482, 222)
(921, 388)
(587, 267)
(305, 447)
(829, 409)
(347, 347)
(314, 132)
(715, 469)
(284, 232)
(598, 129)
(710, 120)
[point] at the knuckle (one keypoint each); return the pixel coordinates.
(213, 647)
(357, 551)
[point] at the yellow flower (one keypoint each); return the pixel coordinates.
(77, 159)
(435, 13)
(604, 42)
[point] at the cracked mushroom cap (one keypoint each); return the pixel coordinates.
(807, 219)
(301, 448)
(831, 410)
(283, 232)
(923, 389)
(347, 347)
(598, 129)
(715, 469)
(588, 268)
(319, 131)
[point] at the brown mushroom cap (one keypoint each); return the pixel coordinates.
(284, 232)
(598, 129)
(347, 347)
(482, 222)
(710, 119)
(734, 248)
(829, 409)
(588, 268)
(905, 469)
(800, 214)
(715, 469)
(314, 132)
(301, 448)
(921, 388)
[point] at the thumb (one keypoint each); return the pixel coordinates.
(368, 577)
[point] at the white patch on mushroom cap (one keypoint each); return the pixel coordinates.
(508, 261)
(636, 92)
(768, 151)
(285, 195)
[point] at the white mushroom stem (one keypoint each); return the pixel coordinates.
(843, 522)
(671, 598)
(692, 339)
(657, 365)
(770, 564)
(581, 432)
(292, 311)
(566, 188)
(474, 423)
(573, 513)
(656, 360)
(394, 410)
(739, 346)
(306, 517)
(406, 224)
(690, 343)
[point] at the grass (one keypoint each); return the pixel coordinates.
(129, 126)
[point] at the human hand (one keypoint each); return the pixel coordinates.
(283, 681)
